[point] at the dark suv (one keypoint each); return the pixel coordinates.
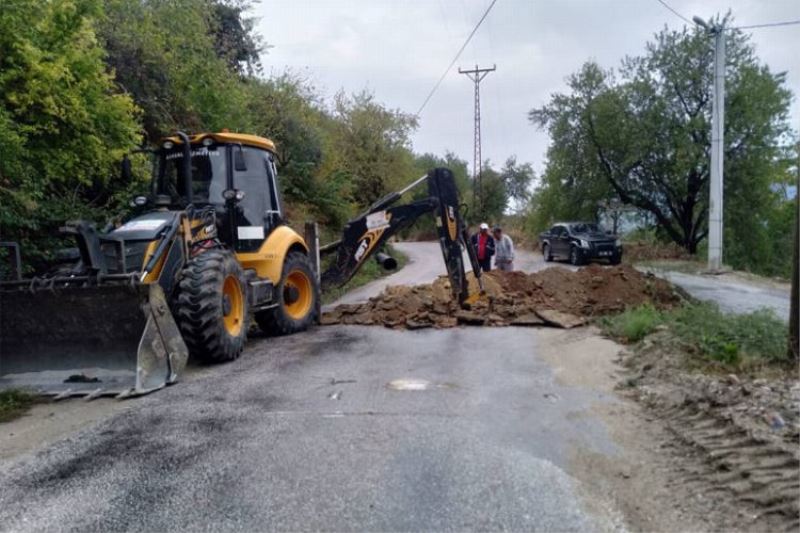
(580, 242)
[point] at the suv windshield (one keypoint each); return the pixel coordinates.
(584, 227)
(209, 170)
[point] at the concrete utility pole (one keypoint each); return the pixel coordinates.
(715, 197)
(477, 75)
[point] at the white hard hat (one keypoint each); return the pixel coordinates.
(484, 225)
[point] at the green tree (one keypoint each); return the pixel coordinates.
(517, 178)
(645, 138)
(494, 194)
(63, 126)
(373, 145)
(235, 39)
(168, 55)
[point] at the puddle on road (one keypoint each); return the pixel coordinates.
(411, 384)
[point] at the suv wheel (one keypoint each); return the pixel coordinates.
(575, 257)
(548, 256)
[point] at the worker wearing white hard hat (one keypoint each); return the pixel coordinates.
(484, 247)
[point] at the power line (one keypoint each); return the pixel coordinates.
(768, 25)
(750, 27)
(663, 3)
(453, 62)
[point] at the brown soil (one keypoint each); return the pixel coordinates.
(555, 297)
(645, 251)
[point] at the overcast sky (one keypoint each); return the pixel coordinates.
(398, 49)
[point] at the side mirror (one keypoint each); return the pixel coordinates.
(126, 174)
(238, 160)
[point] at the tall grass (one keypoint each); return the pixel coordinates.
(730, 339)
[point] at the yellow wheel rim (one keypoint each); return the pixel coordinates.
(233, 305)
(298, 294)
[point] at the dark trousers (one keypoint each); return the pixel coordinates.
(486, 264)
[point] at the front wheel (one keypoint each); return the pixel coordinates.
(575, 257)
(548, 255)
(211, 310)
(297, 293)
(616, 259)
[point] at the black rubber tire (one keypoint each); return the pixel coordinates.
(200, 307)
(615, 259)
(575, 256)
(277, 321)
(548, 257)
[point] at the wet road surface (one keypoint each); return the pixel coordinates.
(316, 432)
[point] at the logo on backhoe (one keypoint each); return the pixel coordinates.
(362, 249)
(451, 222)
(376, 225)
(367, 242)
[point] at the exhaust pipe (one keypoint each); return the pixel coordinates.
(386, 261)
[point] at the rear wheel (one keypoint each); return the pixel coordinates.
(548, 255)
(297, 298)
(212, 309)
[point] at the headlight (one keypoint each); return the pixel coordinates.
(168, 145)
(618, 243)
(208, 141)
(584, 244)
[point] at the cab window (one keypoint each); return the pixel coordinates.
(256, 182)
(208, 175)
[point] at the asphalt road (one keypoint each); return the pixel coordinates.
(731, 294)
(340, 428)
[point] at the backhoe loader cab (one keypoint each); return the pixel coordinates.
(235, 174)
(185, 278)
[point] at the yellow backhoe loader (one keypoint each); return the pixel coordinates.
(210, 255)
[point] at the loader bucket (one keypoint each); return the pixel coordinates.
(118, 340)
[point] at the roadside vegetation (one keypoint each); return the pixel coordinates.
(369, 272)
(15, 403)
(729, 342)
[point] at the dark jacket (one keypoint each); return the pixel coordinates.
(489, 246)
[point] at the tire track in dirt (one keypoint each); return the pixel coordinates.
(733, 448)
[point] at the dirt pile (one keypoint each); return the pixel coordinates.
(555, 296)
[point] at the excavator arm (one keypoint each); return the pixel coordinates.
(366, 234)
